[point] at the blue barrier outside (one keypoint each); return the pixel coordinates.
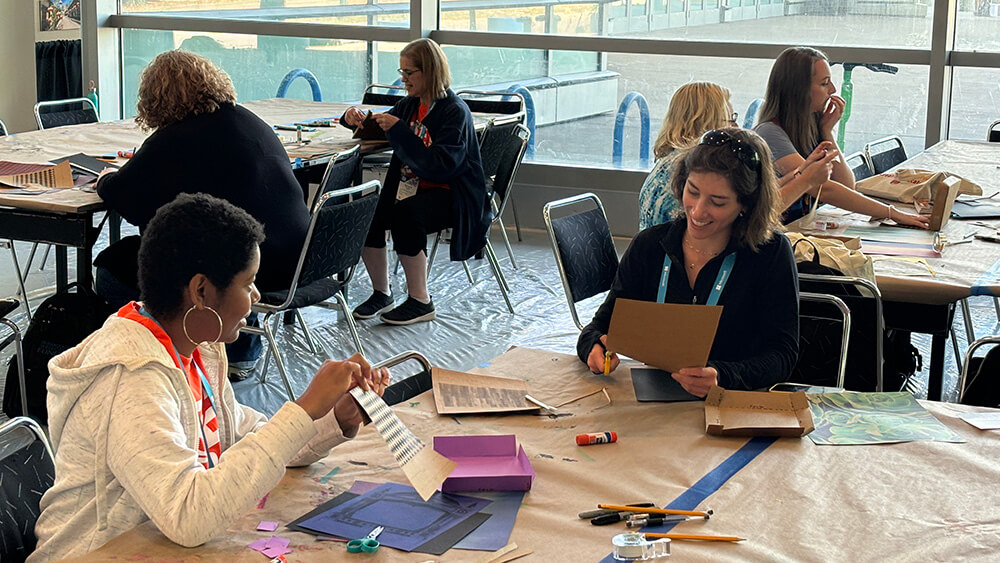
(750, 119)
(296, 73)
(616, 147)
(529, 109)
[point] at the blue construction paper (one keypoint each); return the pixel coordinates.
(495, 532)
(409, 522)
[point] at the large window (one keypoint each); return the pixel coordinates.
(343, 12)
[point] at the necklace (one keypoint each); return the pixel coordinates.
(700, 251)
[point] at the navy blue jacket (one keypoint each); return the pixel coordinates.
(757, 342)
(453, 158)
(230, 154)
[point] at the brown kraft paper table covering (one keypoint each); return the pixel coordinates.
(796, 501)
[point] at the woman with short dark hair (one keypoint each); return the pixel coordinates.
(725, 249)
(142, 417)
(435, 181)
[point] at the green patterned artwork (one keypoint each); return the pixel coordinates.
(873, 418)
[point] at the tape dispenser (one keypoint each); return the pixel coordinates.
(634, 547)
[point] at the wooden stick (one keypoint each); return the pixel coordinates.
(693, 537)
(621, 508)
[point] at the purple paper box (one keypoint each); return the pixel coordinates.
(485, 463)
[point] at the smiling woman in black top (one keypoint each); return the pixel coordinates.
(728, 226)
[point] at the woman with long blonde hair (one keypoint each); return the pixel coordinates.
(698, 107)
(799, 114)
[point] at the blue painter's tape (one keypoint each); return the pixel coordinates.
(711, 482)
(989, 277)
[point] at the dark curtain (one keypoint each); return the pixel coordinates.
(58, 70)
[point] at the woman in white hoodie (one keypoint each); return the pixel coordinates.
(143, 420)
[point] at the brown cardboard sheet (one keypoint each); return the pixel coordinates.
(664, 335)
(757, 413)
(456, 392)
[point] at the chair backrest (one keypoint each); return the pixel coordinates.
(372, 98)
(3, 129)
(71, 111)
(583, 247)
(496, 102)
(860, 166)
(408, 387)
(885, 153)
(867, 330)
(979, 383)
(337, 230)
(340, 173)
(993, 133)
(502, 148)
(27, 470)
(845, 337)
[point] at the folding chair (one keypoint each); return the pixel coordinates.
(27, 470)
(970, 364)
(993, 133)
(21, 293)
(845, 335)
(511, 111)
(373, 98)
(860, 166)
(337, 230)
(8, 306)
(80, 110)
(3, 129)
(885, 153)
(340, 173)
(409, 387)
(583, 247)
(864, 300)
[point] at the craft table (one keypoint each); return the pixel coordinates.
(795, 501)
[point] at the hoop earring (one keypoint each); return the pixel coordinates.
(184, 325)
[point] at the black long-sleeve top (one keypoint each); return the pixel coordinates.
(452, 158)
(756, 344)
(230, 154)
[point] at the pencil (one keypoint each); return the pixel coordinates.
(694, 537)
(621, 508)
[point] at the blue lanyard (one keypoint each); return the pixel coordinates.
(717, 287)
(204, 382)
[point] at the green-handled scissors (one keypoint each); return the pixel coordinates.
(367, 544)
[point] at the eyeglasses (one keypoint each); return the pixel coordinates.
(743, 151)
(734, 119)
(407, 73)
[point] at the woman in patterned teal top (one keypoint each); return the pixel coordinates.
(695, 108)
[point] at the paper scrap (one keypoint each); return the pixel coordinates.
(267, 526)
(58, 176)
(982, 420)
(850, 418)
(466, 393)
(425, 468)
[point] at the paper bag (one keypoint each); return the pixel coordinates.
(907, 184)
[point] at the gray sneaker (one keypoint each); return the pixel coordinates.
(377, 303)
(411, 311)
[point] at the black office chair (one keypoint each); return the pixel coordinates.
(337, 230)
(860, 166)
(340, 173)
(511, 109)
(3, 129)
(409, 387)
(583, 247)
(812, 376)
(27, 470)
(885, 153)
(72, 111)
(993, 133)
(373, 98)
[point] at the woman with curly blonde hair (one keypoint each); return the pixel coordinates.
(202, 141)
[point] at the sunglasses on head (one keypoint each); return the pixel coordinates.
(747, 154)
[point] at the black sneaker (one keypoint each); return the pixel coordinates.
(411, 311)
(377, 303)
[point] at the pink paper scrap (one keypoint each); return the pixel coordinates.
(275, 551)
(258, 545)
(267, 526)
(276, 541)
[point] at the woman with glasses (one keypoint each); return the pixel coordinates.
(798, 117)
(723, 248)
(695, 108)
(435, 181)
